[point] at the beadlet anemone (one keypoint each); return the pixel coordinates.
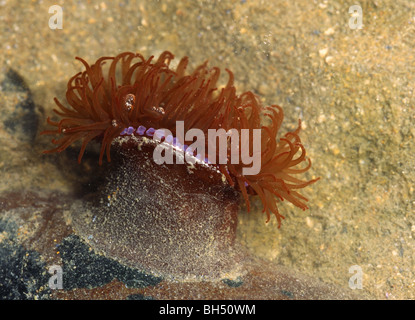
(172, 219)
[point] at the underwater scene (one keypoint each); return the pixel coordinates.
(205, 150)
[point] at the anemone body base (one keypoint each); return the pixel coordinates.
(174, 220)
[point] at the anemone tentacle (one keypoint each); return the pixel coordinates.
(159, 96)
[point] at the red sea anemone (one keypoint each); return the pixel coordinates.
(132, 92)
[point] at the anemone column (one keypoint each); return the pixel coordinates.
(174, 220)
